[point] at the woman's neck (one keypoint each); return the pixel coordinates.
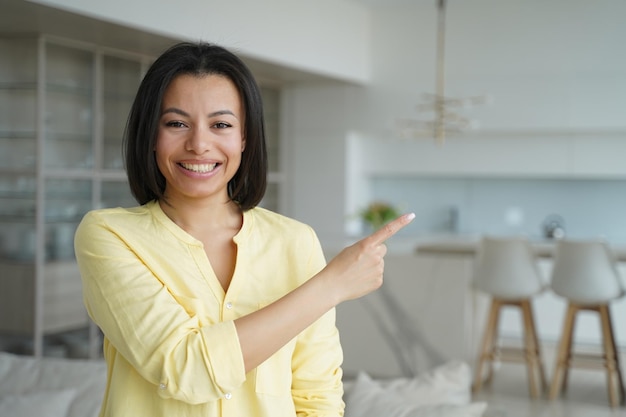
(198, 216)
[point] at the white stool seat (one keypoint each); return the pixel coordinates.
(585, 274)
(506, 269)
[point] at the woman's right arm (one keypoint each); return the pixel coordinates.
(354, 272)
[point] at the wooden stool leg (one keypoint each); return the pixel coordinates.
(488, 344)
(570, 351)
(620, 379)
(614, 377)
(564, 352)
(544, 380)
(531, 350)
(529, 356)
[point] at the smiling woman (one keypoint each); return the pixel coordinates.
(202, 296)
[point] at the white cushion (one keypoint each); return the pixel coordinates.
(442, 392)
(447, 384)
(39, 404)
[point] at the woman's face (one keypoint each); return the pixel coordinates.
(200, 137)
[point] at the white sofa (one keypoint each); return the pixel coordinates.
(50, 387)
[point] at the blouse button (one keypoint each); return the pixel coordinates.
(162, 386)
(229, 305)
(228, 395)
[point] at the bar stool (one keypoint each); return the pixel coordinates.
(586, 275)
(506, 269)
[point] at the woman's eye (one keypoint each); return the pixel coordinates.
(175, 123)
(221, 125)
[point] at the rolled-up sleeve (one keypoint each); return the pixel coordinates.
(317, 388)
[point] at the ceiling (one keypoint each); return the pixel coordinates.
(24, 17)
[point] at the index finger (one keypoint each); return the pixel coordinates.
(390, 229)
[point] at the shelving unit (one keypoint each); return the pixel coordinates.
(63, 107)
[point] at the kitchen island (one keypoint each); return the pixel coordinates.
(428, 312)
(549, 308)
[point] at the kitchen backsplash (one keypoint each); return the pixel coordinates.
(505, 206)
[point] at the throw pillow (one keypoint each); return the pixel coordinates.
(368, 398)
(446, 384)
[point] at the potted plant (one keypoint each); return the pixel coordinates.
(377, 213)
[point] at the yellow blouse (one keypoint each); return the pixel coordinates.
(169, 335)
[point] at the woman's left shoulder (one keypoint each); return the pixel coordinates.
(265, 218)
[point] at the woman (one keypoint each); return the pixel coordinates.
(210, 305)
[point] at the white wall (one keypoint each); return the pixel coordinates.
(318, 119)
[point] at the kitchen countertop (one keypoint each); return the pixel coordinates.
(455, 245)
(467, 247)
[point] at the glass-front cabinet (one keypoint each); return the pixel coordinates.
(63, 108)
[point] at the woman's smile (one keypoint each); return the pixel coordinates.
(199, 168)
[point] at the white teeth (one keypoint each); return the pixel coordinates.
(199, 167)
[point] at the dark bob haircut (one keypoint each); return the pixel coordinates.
(248, 185)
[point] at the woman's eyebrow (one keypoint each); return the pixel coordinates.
(220, 113)
(176, 110)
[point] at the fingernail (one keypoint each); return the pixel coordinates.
(410, 216)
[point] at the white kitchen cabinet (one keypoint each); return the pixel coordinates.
(593, 154)
(63, 108)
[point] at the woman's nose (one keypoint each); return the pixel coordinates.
(198, 141)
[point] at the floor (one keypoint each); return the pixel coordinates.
(587, 396)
